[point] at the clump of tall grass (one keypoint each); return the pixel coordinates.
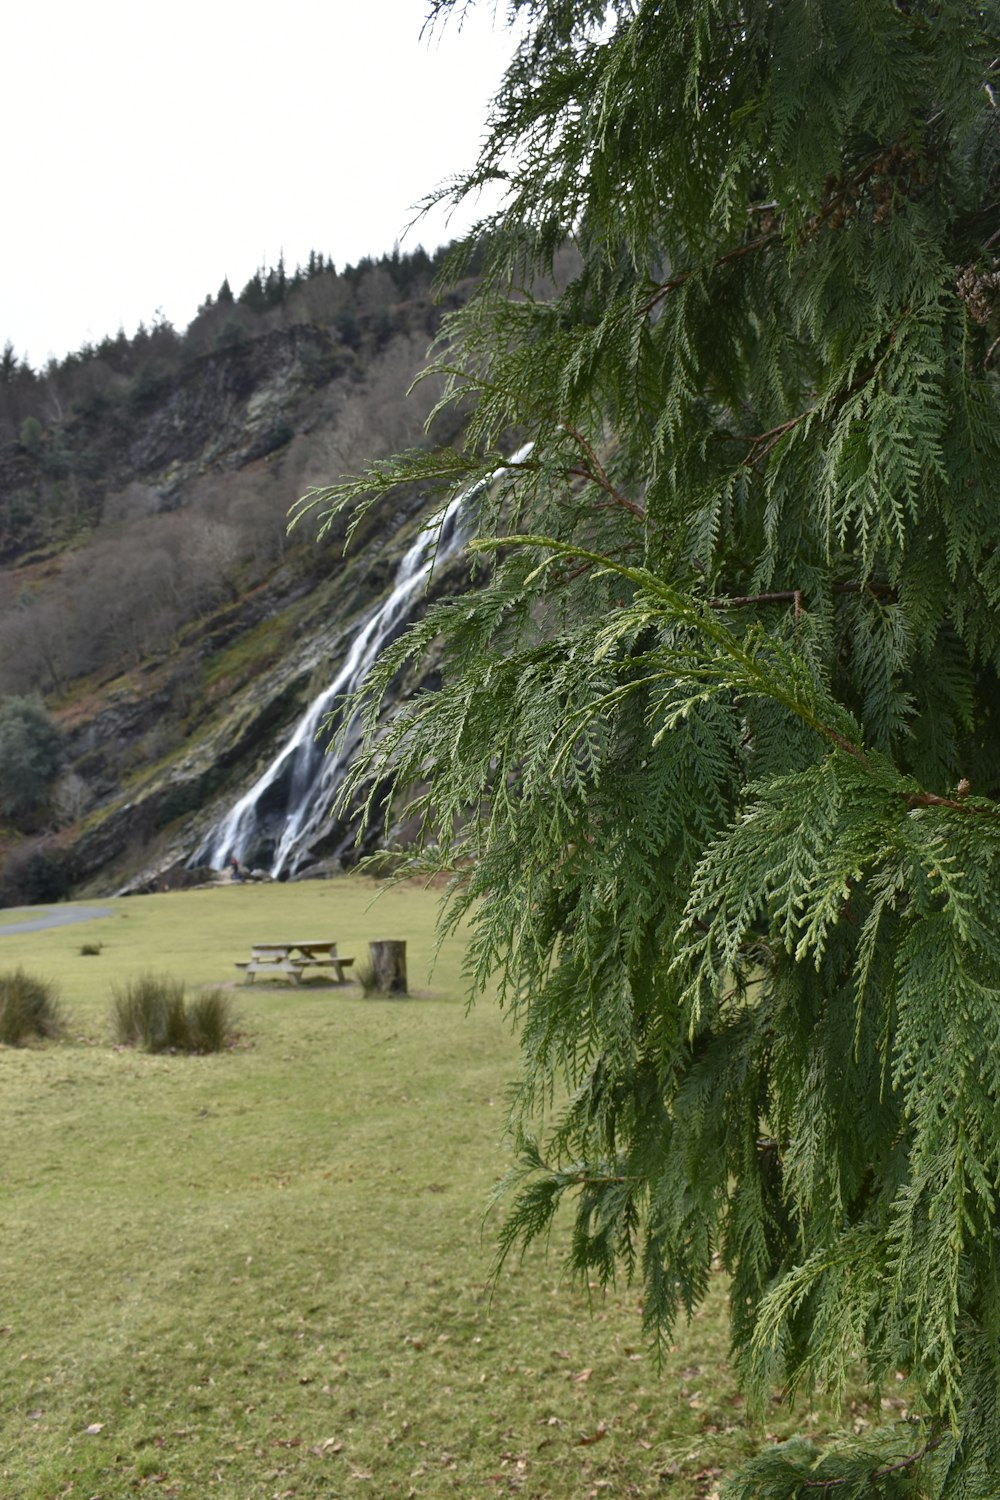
(364, 974)
(153, 1012)
(212, 1021)
(29, 1009)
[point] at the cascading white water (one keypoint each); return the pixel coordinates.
(302, 777)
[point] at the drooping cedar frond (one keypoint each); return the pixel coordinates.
(717, 744)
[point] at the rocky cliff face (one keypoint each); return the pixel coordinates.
(147, 836)
(148, 588)
(224, 410)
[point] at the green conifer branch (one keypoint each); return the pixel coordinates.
(702, 754)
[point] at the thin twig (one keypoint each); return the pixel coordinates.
(738, 601)
(601, 475)
(931, 799)
(826, 1485)
(794, 596)
(675, 281)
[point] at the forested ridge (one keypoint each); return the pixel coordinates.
(89, 422)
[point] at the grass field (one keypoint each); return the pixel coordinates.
(264, 1273)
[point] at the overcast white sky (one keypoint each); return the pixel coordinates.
(152, 150)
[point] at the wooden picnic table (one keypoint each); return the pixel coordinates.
(291, 960)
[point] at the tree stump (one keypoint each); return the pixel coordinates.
(389, 966)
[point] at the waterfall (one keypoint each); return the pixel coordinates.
(291, 800)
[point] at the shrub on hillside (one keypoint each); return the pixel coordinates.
(154, 1013)
(30, 752)
(29, 1009)
(384, 864)
(35, 871)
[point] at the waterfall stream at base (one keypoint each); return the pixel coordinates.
(289, 803)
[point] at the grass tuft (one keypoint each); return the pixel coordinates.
(90, 950)
(211, 1021)
(29, 1009)
(153, 1012)
(364, 974)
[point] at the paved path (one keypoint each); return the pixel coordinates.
(57, 916)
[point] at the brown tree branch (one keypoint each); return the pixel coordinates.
(737, 253)
(827, 1486)
(794, 596)
(599, 475)
(738, 601)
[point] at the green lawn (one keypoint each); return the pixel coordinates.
(265, 1273)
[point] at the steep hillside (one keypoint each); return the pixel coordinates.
(148, 588)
